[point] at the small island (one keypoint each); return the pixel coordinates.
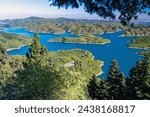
(85, 39)
(11, 41)
(141, 42)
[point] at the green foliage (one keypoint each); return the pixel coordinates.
(115, 87)
(44, 51)
(122, 87)
(139, 81)
(68, 75)
(61, 25)
(128, 9)
(13, 40)
(113, 71)
(34, 81)
(34, 48)
(98, 89)
(116, 81)
(42, 75)
(141, 42)
(147, 53)
(139, 30)
(3, 54)
(51, 78)
(91, 39)
(7, 71)
(36, 52)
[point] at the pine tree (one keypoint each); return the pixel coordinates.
(139, 80)
(116, 81)
(34, 49)
(134, 80)
(98, 88)
(122, 86)
(44, 50)
(112, 79)
(145, 86)
(36, 52)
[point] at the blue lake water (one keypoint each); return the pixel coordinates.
(117, 49)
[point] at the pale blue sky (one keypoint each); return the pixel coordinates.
(11, 9)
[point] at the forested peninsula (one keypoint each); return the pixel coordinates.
(13, 40)
(140, 42)
(85, 39)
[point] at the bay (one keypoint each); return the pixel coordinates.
(117, 49)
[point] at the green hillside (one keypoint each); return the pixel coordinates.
(88, 39)
(60, 25)
(13, 40)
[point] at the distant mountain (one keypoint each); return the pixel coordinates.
(60, 25)
(59, 20)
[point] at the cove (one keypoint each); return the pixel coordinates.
(117, 49)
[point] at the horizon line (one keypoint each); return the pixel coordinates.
(96, 19)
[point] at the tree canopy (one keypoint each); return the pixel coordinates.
(127, 9)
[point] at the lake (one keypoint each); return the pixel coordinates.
(117, 49)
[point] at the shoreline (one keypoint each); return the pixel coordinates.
(7, 50)
(79, 42)
(131, 35)
(100, 69)
(55, 33)
(139, 48)
(43, 32)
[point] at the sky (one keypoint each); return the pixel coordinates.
(12, 9)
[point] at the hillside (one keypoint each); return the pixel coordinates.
(88, 39)
(13, 40)
(140, 30)
(140, 42)
(60, 25)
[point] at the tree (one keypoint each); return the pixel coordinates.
(128, 9)
(122, 86)
(116, 81)
(146, 79)
(98, 88)
(43, 51)
(35, 51)
(139, 80)
(3, 54)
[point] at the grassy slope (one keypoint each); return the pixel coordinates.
(82, 39)
(13, 40)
